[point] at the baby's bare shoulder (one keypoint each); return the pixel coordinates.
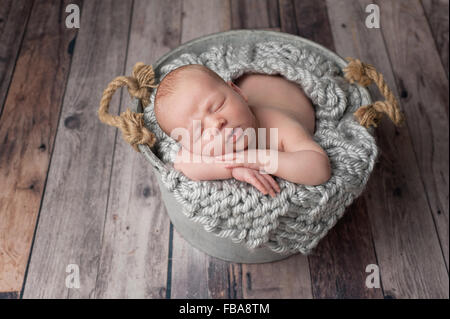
(295, 137)
(276, 92)
(290, 131)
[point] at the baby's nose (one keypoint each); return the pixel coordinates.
(218, 123)
(221, 123)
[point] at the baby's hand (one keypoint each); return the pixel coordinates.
(263, 182)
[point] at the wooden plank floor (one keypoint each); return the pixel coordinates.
(73, 192)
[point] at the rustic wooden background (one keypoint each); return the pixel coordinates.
(72, 191)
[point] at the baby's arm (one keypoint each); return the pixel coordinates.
(200, 171)
(306, 167)
(216, 170)
(303, 160)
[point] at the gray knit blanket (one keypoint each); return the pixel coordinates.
(300, 215)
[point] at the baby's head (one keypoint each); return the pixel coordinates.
(192, 95)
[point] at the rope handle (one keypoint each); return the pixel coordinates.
(364, 74)
(131, 124)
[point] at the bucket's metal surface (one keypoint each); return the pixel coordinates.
(213, 245)
(193, 232)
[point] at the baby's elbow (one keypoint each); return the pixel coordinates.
(189, 173)
(323, 179)
(324, 173)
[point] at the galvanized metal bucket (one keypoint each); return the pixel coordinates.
(193, 232)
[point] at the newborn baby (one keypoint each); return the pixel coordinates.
(218, 125)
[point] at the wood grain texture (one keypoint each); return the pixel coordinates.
(254, 14)
(135, 252)
(72, 217)
(288, 22)
(189, 270)
(13, 21)
(203, 17)
(407, 247)
(27, 131)
(337, 265)
(437, 15)
(288, 278)
(307, 19)
(195, 274)
(423, 87)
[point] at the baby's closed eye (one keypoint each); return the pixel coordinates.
(219, 106)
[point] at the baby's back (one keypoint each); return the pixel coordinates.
(274, 91)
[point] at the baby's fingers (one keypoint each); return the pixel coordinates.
(266, 184)
(258, 184)
(272, 182)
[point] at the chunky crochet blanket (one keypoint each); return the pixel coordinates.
(300, 215)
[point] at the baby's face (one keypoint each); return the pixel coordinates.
(209, 111)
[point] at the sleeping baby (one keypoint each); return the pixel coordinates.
(250, 129)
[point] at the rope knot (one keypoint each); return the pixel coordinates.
(134, 131)
(144, 78)
(367, 115)
(356, 72)
(365, 74)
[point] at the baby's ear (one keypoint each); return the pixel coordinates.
(238, 90)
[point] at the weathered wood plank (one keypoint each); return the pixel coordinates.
(288, 278)
(424, 91)
(189, 270)
(407, 247)
(437, 14)
(72, 216)
(338, 264)
(13, 20)
(288, 22)
(195, 274)
(254, 14)
(135, 250)
(308, 19)
(27, 131)
(203, 17)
